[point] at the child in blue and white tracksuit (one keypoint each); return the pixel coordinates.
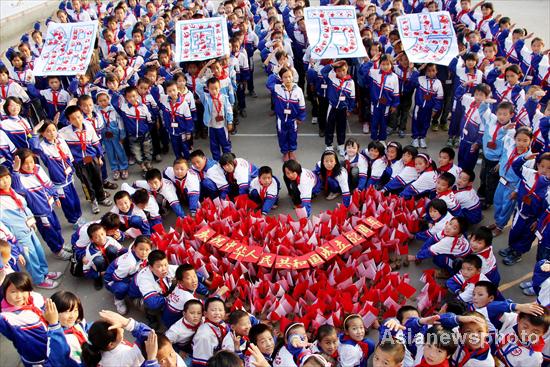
(212, 178)
(341, 98)
(41, 195)
(266, 196)
(98, 257)
(531, 201)
(384, 91)
(188, 186)
(290, 108)
(239, 173)
(133, 218)
(176, 116)
(335, 180)
(508, 183)
(58, 158)
(113, 134)
(303, 188)
(428, 101)
(218, 117)
(25, 326)
(424, 184)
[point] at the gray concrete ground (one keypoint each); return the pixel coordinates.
(256, 141)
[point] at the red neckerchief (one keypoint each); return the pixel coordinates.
(217, 104)
(201, 174)
(22, 79)
(513, 156)
(534, 187)
(543, 83)
(343, 82)
(231, 177)
(162, 285)
(82, 139)
(11, 193)
(445, 167)
(495, 134)
(174, 108)
(79, 335)
(298, 180)
(136, 109)
(4, 90)
(404, 74)
(105, 116)
(447, 192)
(348, 165)
(483, 20)
(471, 110)
(62, 154)
(410, 164)
(144, 99)
(182, 183)
(328, 174)
(223, 74)
(263, 191)
(455, 242)
(506, 91)
(363, 345)
(30, 306)
(22, 124)
(467, 188)
(512, 49)
(472, 280)
(221, 327)
(55, 98)
(485, 253)
(423, 363)
(383, 74)
(92, 120)
(545, 221)
(35, 173)
(189, 326)
(102, 249)
(82, 90)
(461, 14)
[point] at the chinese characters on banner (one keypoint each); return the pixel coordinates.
(333, 32)
(428, 37)
(201, 39)
(67, 49)
(238, 251)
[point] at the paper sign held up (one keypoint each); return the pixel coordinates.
(201, 39)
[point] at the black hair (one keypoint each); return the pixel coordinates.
(378, 146)
(93, 228)
(66, 301)
(190, 303)
(352, 142)
(397, 146)
(45, 125)
(393, 347)
(402, 310)
(154, 256)
(337, 167)
(447, 177)
(472, 259)
(140, 196)
(506, 105)
(84, 98)
(12, 99)
(110, 221)
(449, 151)
(4, 171)
(99, 338)
(470, 56)
(183, 268)
(211, 300)
(212, 80)
(442, 338)
(456, 306)
(536, 320)
(121, 195)
(143, 239)
(325, 330)
(525, 130)
(71, 110)
(462, 224)
(24, 153)
(129, 90)
(197, 153)
(292, 166)
(411, 150)
(153, 173)
(265, 170)
(492, 289)
(227, 158)
(21, 281)
(544, 157)
(224, 358)
(471, 174)
(258, 329)
(483, 88)
(236, 316)
(483, 234)
(170, 83)
(283, 71)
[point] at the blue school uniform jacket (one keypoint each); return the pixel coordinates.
(136, 119)
(340, 93)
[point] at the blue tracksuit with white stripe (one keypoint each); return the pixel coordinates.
(41, 195)
(213, 181)
(239, 180)
(531, 201)
(289, 107)
(266, 197)
(120, 273)
(337, 184)
(136, 119)
(57, 157)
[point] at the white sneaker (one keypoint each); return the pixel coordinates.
(63, 254)
(48, 284)
(341, 151)
(54, 275)
(121, 307)
(333, 195)
(327, 148)
(423, 143)
(415, 143)
(314, 120)
(366, 128)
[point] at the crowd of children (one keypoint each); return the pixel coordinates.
(135, 104)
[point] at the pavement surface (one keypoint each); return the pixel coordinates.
(256, 141)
